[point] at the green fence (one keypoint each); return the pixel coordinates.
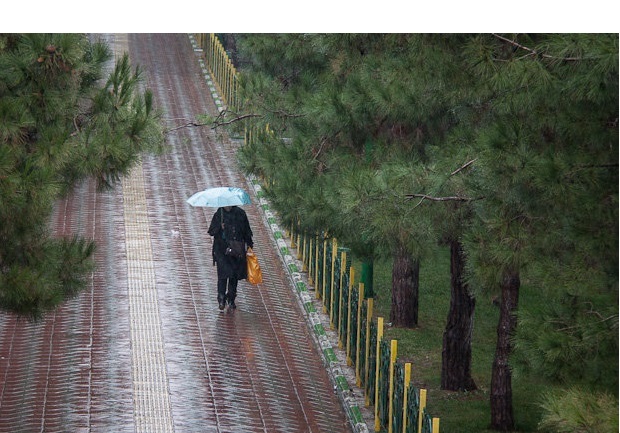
(221, 68)
(399, 406)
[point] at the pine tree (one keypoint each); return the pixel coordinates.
(505, 149)
(57, 127)
(332, 105)
(547, 169)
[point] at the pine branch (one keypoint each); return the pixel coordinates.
(534, 52)
(217, 123)
(453, 198)
(280, 113)
(318, 152)
(463, 167)
(431, 198)
(582, 167)
(187, 125)
(428, 197)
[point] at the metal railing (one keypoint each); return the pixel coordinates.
(399, 406)
(221, 69)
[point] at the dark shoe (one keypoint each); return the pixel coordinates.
(232, 305)
(222, 306)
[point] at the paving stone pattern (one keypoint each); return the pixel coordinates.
(145, 347)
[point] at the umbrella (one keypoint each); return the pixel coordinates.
(220, 197)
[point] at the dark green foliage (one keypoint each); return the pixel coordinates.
(52, 272)
(577, 410)
(506, 142)
(58, 126)
(549, 175)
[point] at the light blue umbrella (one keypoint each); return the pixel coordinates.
(220, 197)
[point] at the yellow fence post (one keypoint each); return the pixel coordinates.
(310, 264)
(422, 407)
(358, 348)
(343, 262)
(406, 394)
(378, 371)
(435, 425)
(221, 69)
(236, 104)
(316, 268)
(228, 80)
(331, 300)
(370, 302)
(393, 351)
(292, 235)
(301, 239)
(324, 288)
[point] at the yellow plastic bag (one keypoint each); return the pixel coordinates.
(255, 275)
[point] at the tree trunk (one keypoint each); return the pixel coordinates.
(405, 288)
(501, 379)
(456, 355)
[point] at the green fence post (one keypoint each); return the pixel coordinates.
(310, 260)
(317, 272)
(384, 383)
(327, 279)
(367, 277)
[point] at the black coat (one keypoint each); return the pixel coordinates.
(236, 226)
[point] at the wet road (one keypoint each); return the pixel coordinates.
(145, 348)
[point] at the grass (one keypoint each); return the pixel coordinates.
(422, 346)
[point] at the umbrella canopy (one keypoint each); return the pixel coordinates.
(220, 197)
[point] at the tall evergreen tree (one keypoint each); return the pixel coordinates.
(548, 172)
(58, 125)
(345, 94)
(507, 149)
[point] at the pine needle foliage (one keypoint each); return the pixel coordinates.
(577, 410)
(59, 126)
(507, 143)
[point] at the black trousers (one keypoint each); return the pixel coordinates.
(227, 289)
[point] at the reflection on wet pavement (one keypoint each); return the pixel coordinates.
(108, 360)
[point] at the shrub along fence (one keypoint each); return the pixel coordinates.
(398, 405)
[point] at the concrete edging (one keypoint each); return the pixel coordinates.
(335, 366)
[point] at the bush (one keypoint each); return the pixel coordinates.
(579, 411)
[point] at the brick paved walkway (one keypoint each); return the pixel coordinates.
(145, 348)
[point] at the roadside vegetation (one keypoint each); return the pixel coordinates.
(63, 119)
(462, 412)
(476, 177)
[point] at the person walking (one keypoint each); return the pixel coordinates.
(232, 236)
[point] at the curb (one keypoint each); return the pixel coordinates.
(332, 362)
